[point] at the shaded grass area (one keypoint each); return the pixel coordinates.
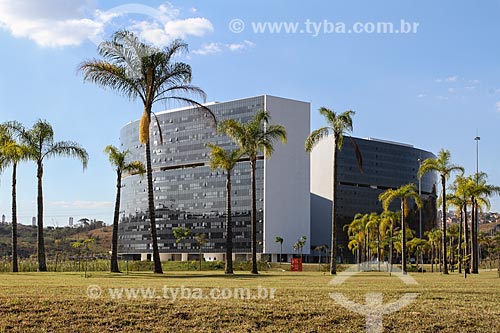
(58, 302)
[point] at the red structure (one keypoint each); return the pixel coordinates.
(296, 265)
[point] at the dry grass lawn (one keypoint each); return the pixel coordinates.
(58, 302)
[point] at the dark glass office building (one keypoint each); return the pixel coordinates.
(385, 165)
(188, 194)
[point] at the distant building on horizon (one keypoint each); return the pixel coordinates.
(3, 218)
(33, 221)
(71, 221)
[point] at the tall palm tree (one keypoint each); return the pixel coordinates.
(254, 138)
(357, 234)
(443, 166)
(118, 160)
(226, 160)
(480, 191)
(404, 193)
(40, 144)
(339, 126)
(388, 220)
(279, 239)
(373, 228)
(460, 198)
(12, 152)
(138, 70)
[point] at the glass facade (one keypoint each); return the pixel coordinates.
(187, 192)
(385, 165)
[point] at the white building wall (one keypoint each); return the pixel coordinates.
(286, 181)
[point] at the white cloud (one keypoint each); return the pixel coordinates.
(497, 105)
(421, 95)
(212, 48)
(453, 78)
(452, 90)
(55, 23)
(49, 23)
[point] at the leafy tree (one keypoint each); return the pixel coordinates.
(279, 239)
(226, 160)
(253, 139)
(443, 166)
(201, 240)
(404, 193)
(339, 126)
(40, 145)
(118, 160)
(138, 70)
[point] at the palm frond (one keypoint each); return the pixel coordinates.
(68, 149)
(315, 137)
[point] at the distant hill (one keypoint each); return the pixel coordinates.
(58, 239)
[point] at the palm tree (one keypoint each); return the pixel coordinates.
(404, 193)
(320, 249)
(373, 228)
(138, 70)
(479, 191)
(433, 236)
(460, 198)
(117, 159)
(40, 145)
(388, 219)
(453, 233)
(279, 239)
(445, 168)
(226, 160)
(357, 235)
(339, 126)
(12, 152)
(254, 138)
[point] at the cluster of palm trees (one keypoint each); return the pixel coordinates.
(470, 191)
(373, 231)
(139, 70)
(36, 144)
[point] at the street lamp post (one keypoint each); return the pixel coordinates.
(476, 220)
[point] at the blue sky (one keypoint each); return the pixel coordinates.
(432, 88)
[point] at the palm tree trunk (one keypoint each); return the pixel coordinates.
(460, 232)
(432, 258)
(152, 217)
(42, 266)
(114, 240)
(14, 219)
(333, 259)
(391, 245)
(445, 260)
(378, 250)
(229, 227)
(253, 217)
(475, 257)
(403, 237)
(466, 239)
